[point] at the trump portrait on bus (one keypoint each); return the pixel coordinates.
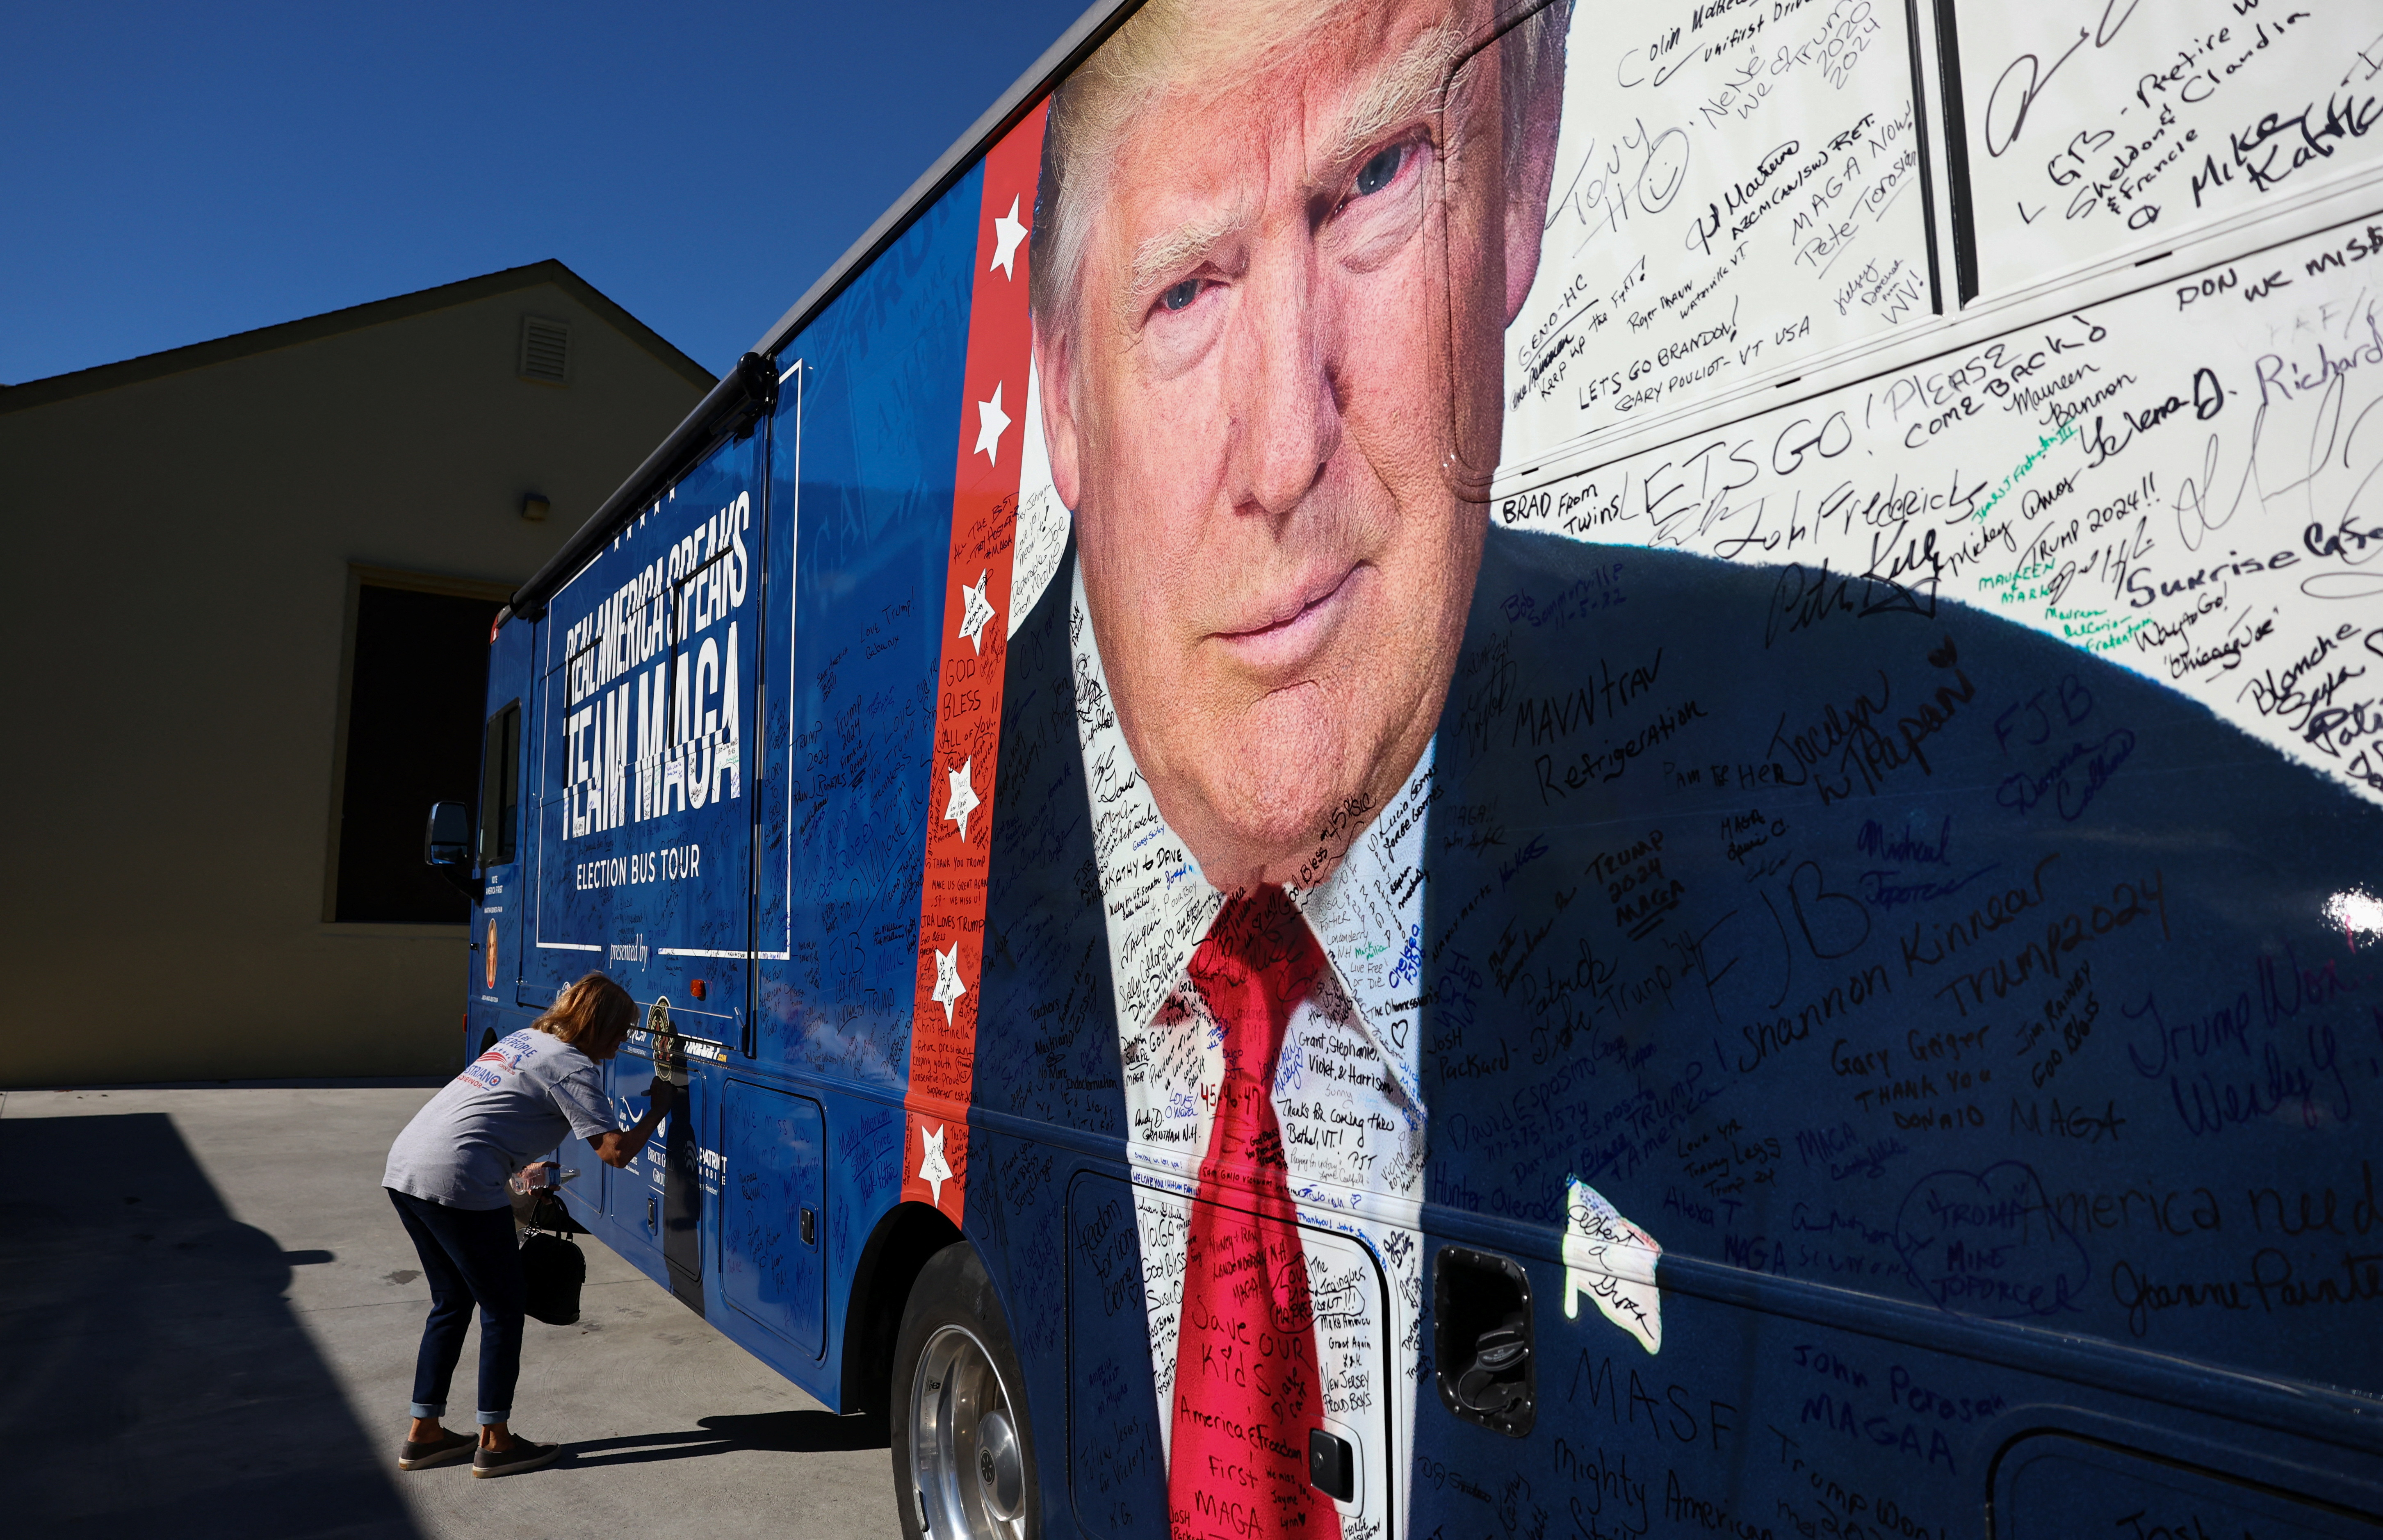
(1274, 250)
(1395, 886)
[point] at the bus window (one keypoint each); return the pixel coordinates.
(501, 787)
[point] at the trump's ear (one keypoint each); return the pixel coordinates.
(1052, 366)
(1531, 170)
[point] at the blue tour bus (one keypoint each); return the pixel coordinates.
(1521, 768)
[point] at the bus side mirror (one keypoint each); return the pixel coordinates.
(447, 847)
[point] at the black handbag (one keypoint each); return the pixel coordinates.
(551, 1265)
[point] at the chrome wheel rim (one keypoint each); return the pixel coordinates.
(967, 1463)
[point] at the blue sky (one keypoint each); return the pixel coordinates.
(175, 173)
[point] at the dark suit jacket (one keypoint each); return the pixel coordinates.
(1752, 894)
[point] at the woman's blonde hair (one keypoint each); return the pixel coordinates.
(590, 1013)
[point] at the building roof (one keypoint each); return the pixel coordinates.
(288, 334)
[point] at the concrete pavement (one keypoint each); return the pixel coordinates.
(208, 1316)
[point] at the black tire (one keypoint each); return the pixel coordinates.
(963, 1448)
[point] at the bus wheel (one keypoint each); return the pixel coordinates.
(963, 1455)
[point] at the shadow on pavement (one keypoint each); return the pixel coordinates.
(153, 1378)
(793, 1431)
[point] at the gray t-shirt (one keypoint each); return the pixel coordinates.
(509, 1107)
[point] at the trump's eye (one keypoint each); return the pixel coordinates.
(1378, 172)
(1179, 295)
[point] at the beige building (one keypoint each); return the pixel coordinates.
(252, 583)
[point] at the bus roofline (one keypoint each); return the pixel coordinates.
(747, 393)
(1088, 31)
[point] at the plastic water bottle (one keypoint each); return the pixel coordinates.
(549, 1177)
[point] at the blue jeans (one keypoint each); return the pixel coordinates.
(469, 1257)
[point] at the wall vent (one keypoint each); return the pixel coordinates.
(546, 350)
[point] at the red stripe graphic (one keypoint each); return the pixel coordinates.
(968, 704)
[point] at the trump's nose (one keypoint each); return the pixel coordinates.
(1287, 419)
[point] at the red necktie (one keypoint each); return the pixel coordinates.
(1246, 1386)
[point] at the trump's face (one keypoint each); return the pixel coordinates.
(1288, 319)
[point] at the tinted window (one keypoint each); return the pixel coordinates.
(501, 788)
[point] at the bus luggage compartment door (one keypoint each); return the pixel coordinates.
(771, 1218)
(2051, 1483)
(656, 1200)
(683, 1164)
(1125, 1291)
(634, 1195)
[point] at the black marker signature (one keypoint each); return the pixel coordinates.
(2026, 77)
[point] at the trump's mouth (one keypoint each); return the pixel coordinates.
(1296, 628)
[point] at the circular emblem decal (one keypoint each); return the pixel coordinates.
(658, 1016)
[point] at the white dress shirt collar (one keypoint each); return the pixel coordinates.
(1368, 915)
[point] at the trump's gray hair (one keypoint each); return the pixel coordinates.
(1160, 50)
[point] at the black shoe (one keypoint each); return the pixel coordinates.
(523, 1456)
(445, 1449)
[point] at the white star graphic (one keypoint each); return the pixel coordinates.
(932, 1168)
(1006, 233)
(991, 423)
(975, 609)
(948, 987)
(964, 802)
